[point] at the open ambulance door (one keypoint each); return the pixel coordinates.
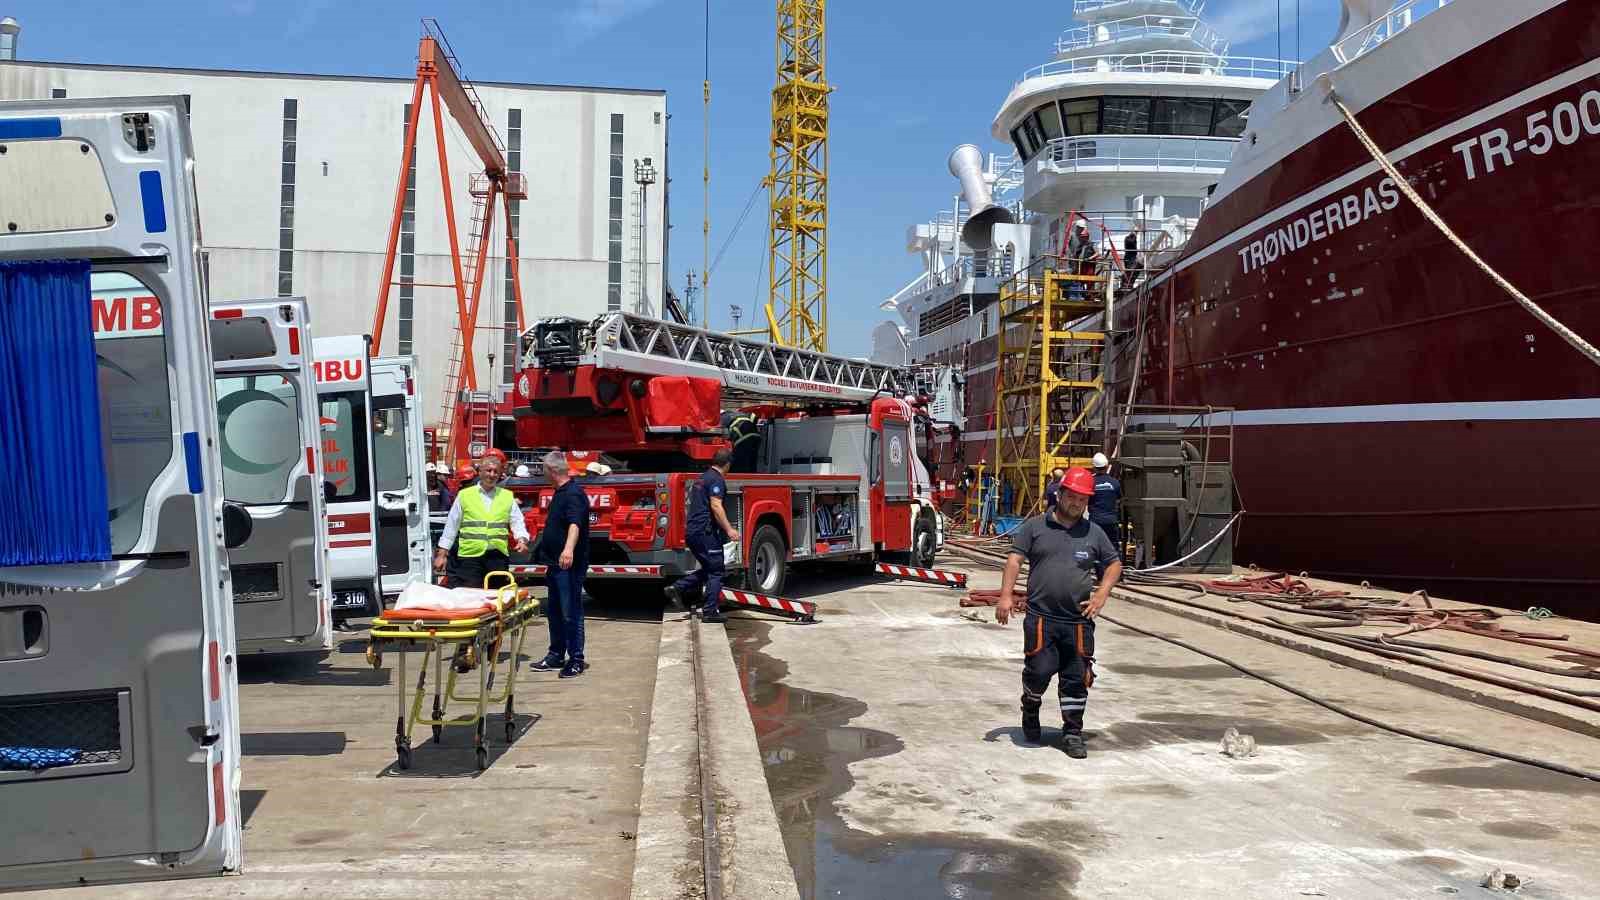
(344, 417)
(119, 730)
(399, 454)
(267, 431)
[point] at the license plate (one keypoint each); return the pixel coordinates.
(349, 600)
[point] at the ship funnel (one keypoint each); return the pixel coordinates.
(966, 163)
(10, 31)
(1358, 14)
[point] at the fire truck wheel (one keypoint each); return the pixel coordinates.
(767, 567)
(924, 543)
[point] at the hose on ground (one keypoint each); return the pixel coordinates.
(1362, 718)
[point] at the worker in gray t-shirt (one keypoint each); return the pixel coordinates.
(1064, 552)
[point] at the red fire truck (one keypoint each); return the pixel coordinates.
(833, 475)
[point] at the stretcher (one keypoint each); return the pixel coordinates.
(474, 639)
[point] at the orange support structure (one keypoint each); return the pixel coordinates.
(437, 76)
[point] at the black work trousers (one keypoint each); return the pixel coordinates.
(469, 571)
(1055, 647)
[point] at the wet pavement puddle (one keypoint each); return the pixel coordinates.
(807, 747)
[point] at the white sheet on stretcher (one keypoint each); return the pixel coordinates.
(421, 595)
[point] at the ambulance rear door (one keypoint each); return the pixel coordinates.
(119, 730)
(399, 453)
(344, 392)
(268, 434)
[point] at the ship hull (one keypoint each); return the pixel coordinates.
(1400, 417)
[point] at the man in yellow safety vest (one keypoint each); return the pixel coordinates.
(488, 521)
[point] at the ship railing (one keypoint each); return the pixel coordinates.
(1116, 153)
(1167, 62)
(1403, 16)
(1205, 38)
(1079, 7)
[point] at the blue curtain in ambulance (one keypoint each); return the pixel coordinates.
(56, 510)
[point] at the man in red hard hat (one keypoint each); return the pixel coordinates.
(1065, 551)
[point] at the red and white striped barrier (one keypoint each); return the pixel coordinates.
(801, 610)
(598, 571)
(932, 576)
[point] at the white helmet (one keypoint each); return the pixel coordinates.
(431, 468)
(524, 472)
(1100, 461)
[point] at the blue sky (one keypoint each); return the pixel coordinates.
(913, 78)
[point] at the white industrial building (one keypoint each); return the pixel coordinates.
(298, 174)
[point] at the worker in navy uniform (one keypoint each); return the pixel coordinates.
(1053, 487)
(489, 523)
(706, 529)
(1064, 551)
(564, 547)
(1104, 507)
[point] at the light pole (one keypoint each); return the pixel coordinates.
(644, 175)
(735, 311)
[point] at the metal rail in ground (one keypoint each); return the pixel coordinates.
(711, 846)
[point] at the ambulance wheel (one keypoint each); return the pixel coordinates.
(767, 567)
(924, 543)
(482, 758)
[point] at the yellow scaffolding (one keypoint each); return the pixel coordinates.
(1051, 384)
(797, 305)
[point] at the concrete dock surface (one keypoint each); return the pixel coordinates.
(891, 738)
(326, 815)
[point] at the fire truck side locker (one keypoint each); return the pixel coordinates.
(344, 392)
(271, 460)
(127, 699)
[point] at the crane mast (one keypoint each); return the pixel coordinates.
(797, 301)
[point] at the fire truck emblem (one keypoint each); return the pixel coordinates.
(897, 454)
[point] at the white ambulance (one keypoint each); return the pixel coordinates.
(119, 731)
(270, 440)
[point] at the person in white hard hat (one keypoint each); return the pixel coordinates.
(523, 471)
(1104, 505)
(437, 499)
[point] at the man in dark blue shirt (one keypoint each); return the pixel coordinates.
(1053, 487)
(706, 528)
(564, 547)
(1103, 506)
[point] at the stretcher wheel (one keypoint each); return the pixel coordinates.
(482, 755)
(511, 730)
(438, 733)
(372, 656)
(404, 756)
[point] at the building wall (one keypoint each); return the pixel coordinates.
(347, 139)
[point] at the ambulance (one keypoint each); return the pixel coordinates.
(399, 456)
(270, 441)
(119, 729)
(343, 369)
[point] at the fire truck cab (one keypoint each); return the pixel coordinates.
(271, 463)
(344, 394)
(119, 715)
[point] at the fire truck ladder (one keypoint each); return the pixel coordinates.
(748, 369)
(1051, 385)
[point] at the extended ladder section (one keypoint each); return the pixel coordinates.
(1051, 383)
(749, 370)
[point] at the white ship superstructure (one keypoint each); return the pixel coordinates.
(1129, 125)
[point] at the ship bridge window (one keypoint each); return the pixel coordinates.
(1230, 118)
(1048, 120)
(1031, 132)
(1125, 115)
(1188, 116)
(1081, 116)
(1019, 143)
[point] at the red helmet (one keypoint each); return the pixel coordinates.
(1079, 481)
(497, 453)
(466, 472)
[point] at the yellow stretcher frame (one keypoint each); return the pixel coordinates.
(476, 641)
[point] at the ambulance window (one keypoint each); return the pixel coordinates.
(389, 449)
(344, 445)
(259, 423)
(135, 398)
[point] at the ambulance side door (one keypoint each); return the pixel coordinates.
(118, 693)
(397, 464)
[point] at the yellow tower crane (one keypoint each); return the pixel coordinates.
(797, 302)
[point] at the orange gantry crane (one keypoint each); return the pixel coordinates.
(438, 74)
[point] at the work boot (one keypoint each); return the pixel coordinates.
(713, 616)
(676, 596)
(1074, 745)
(1030, 724)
